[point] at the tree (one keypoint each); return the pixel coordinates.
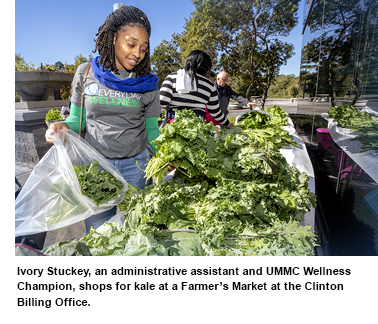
(347, 34)
(21, 65)
(79, 59)
(243, 34)
(284, 84)
(59, 66)
(199, 34)
(293, 91)
(69, 67)
(166, 58)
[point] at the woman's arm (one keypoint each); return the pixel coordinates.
(151, 118)
(152, 128)
(73, 120)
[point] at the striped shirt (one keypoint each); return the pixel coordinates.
(205, 96)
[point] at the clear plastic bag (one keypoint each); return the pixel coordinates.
(51, 197)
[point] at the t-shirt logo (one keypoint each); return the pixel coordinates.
(91, 89)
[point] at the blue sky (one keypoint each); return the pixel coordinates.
(47, 31)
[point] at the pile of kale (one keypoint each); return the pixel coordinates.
(232, 193)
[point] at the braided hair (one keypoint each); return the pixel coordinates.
(125, 15)
(197, 62)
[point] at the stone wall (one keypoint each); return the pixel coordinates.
(30, 143)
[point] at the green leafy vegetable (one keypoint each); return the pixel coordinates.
(98, 185)
(67, 248)
(224, 186)
(53, 114)
(111, 241)
(281, 239)
(265, 128)
(231, 195)
(348, 117)
(255, 119)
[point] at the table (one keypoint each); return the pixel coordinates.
(368, 161)
(299, 158)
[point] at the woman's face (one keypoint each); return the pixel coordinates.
(130, 46)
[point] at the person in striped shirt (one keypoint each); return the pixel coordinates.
(188, 88)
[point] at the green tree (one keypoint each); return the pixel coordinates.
(243, 35)
(294, 91)
(59, 66)
(79, 59)
(21, 65)
(199, 34)
(69, 67)
(166, 58)
(348, 30)
(284, 85)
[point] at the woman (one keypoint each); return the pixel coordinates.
(121, 99)
(189, 88)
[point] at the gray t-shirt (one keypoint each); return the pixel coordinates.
(115, 119)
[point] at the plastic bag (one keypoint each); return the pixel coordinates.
(51, 197)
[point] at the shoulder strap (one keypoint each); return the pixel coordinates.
(86, 72)
(82, 94)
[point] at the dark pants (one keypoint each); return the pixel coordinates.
(96, 221)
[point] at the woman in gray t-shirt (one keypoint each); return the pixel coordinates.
(121, 97)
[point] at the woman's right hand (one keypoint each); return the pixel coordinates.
(54, 128)
(170, 167)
